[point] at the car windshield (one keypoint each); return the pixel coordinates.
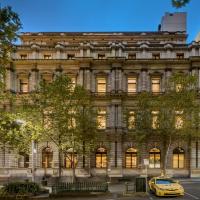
(164, 181)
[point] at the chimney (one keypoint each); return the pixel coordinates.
(173, 22)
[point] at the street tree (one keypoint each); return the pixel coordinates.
(9, 26)
(69, 120)
(180, 3)
(171, 116)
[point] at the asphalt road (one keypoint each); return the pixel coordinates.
(192, 192)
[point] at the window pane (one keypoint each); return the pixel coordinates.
(157, 160)
(131, 120)
(24, 85)
(101, 119)
(181, 160)
(155, 85)
(101, 85)
(132, 84)
(175, 160)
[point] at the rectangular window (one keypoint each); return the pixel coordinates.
(101, 119)
(131, 120)
(71, 119)
(155, 124)
(179, 119)
(101, 84)
(47, 56)
(73, 79)
(132, 84)
(180, 55)
(156, 56)
(23, 85)
(179, 87)
(70, 56)
(155, 85)
(132, 56)
(101, 56)
(23, 56)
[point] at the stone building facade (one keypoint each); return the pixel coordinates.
(114, 67)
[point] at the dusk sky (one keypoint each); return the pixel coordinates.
(99, 15)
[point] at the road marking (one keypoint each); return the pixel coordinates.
(195, 197)
(150, 198)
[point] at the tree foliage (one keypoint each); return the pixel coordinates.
(69, 120)
(179, 3)
(171, 116)
(9, 27)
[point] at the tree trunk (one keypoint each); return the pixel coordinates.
(73, 167)
(59, 165)
(166, 153)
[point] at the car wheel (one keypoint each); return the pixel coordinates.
(156, 193)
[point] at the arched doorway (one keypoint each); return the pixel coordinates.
(178, 158)
(154, 158)
(47, 157)
(131, 158)
(101, 158)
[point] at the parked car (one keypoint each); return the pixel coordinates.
(163, 186)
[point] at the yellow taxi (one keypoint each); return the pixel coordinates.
(163, 186)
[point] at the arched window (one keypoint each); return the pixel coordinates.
(23, 160)
(131, 158)
(178, 157)
(70, 158)
(154, 158)
(101, 158)
(47, 157)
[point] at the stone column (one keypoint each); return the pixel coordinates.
(88, 79)
(8, 79)
(120, 79)
(144, 80)
(113, 80)
(80, 77)
(168, 73)
(119, 116)
(33, 79)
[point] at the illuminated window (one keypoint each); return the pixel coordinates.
(47, 56)
(178, 157)
(101, 118)
(101, 158)
(131, 120)
(23, 56)
(23, 85)
(73, 82)
(179, 119)
(23, 160)
(71, 159)
(155, 124)
(72, 120)
(131, 158)
(179, 87)
(132, 84)
(155, 85)
(154, 158)
(101, 84)
(180, 55)
(47, 158)
(156, 56)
